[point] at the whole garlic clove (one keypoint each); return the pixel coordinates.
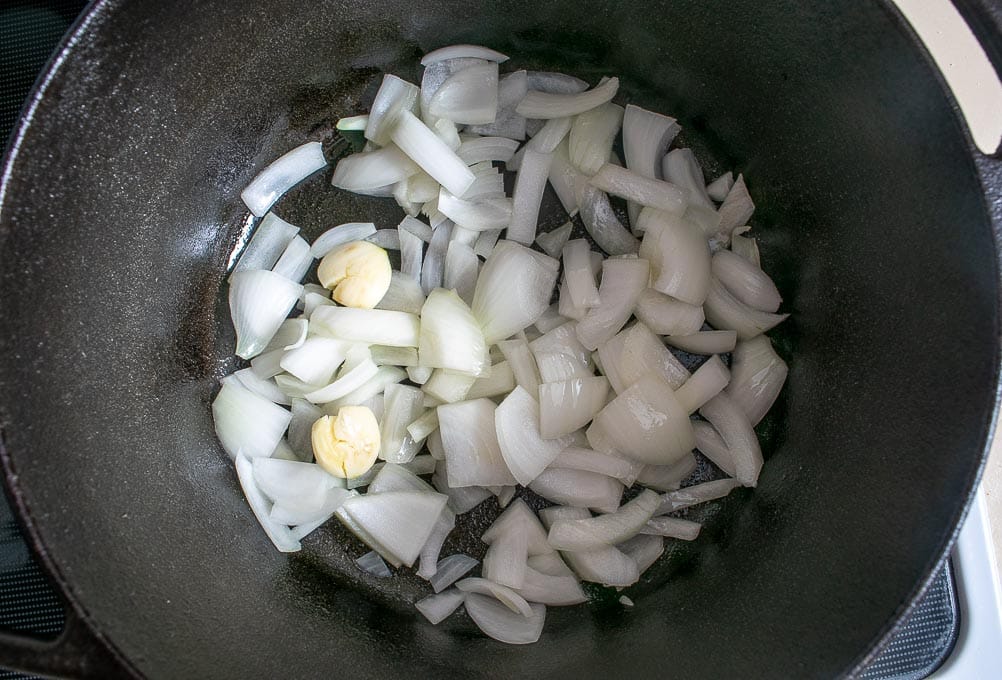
(357, 273)
(346, 445)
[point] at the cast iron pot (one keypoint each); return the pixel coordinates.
(119, 212)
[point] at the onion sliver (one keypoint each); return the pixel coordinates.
(280, 536)
(260, 301)
(501, 593)
(555, 83)
(513, 290)
(635, 187)
(673, 527)
(704, 384)
(737, 208)
(403, 404)
(679, 256)
(524, 450)
(560, 356)
(696, 494)
(564, 178)
(757, 376)
(606, 565)
(745, 246)
(505, 560)
(462, 51)
(623, 280)
(545, 105)
(575, 458)
(433, 546)
(736, 430)
(499, 622)
(646, 137)
(350, 380)
(341, 234)
(725, 311)
(487, 149)
(450, 336)
(668, 477)
(500, 381)
(601, 221)
(399, 522)
(462, 499)
(635, 352)
(554, 590)
(449, 570)
(247, 423)
(591, 137)
(282, 174)
(579, 488)
(667, 316)
(681, 169)
(507, 122)
(528, 195)
(373, 169)
(519, 519)
(468, 96)
(315, 361)
(569, 405)
(595, 532)
(644, 549)
(436, 608)
(432, 154)
(746, 281)
(269, 241)
(711, 444)
(720, 187)
(577, 273)
(371, 563)
(552, 242)
(471, 445)
(704, 342)
(371, 326)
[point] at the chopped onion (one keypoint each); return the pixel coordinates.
(373, 169)
(392, 477)
(679, 256)
(461, 269)
(757, 376)
(623, 280)
(681, 168)
(570, 405)
(736, 430)
(394, 356)
(724, 311)
(478, 215)
(449, 570)
(601, 222)
(746, 281)
(673, 527)
(523, 365)
(643, 190)
(500, 381)
(519, 519)
(603, 463)
(667, 316)
(595, 532)
(399, 522)
(302, 519)
(269, 241)
(282, 174)
(513, 290)
(499, 622)
(552, 242)
(471, 445)
(403, 295)
(436, 608)
(505, 559)
(371, 563)
(259, 302)
(372, 326)
(577, 273)
(349, 380)
(316, 360)
(462, 499)
(704, 342)
(432, 154)
(448, 386)
(745, 246)
(304, 414)
(500, 593)
(436, 74)
(550, 135)
(737, 208)
(525, 451)
(395, 97)
(606, 565)
(550, 564)
(433, 547)
(462, 51)
(402, 405)
(645, 422)
(579, 488)
(696, 494)
(549, 320)
(720, 187)
(246, 423)
(507, 122)
(554, 590)
(385, 376)
(528, 195)
(261, 386)
(313, 300)
(468, 96)
(341, 234)
(416, 227)
(280, 536)
(564, 178)
(433, 271)
(486, 241)
(707, 381)
(711, 444)
(424, 425)
(545, 105)
(555, 83)
(591, 136)
(560, 356)
(644, 549)
(646, 137)
(450, 337)
(668, 477)
(487, 149)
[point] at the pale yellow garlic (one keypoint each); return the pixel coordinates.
(346, 445)
(357, 273)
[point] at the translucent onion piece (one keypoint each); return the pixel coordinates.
(500, 381)
(450, 569)
(564, 178)
(577, 272)
(267, 244)
(437, 608)
(385, 375)
(646, 137)
(294, 387)
(644, 549)
(607, 565)
(261, 386)
(746, 281)
(552, 242)
(554, 590)
(371, 563)
(403, 295)
(316, 360)
(643, 190)
(434, 262)
(737, 208)
(259, 301)
(679, 256)
(462, 51)
(736, 430)
(341, 234)
(304, 414)
(487, 149)
(419, 374)
(591, 136)
(704, 342)
(667, 477)
(503, 594)
(428, 564)
(416, 227)
(461, 269)
(549, 320)
(394, 356)
(623, 280)
(505, 560)
(284, 452)
(720, 187)
(432, 154)
(551, 134)
(745, 246)
(477, 215)
(436, 74)
(502, 624)
(280, 536)
(448, 386)
(575, 458)
(550, 564)
(513, 290)
(595, 532)
(694, 495)
(402, 405)
(724, 311)
(570, 405)
(579, 488)
(523, 365)
(353, 123)
(266, 365)
(555, 83)
(545, 105)
(395, 96)
(757, 376)
(471, 446)
(705, 383)
(711, 444)
(673, 527)
(486, 241)
(525, 451)
(392, 477)
(398, 522)
(421, 427)
(601, 222)
(667, 316)
(371, 326)
(468, 96)
(373, 169)
(461, 499)
(313, 300)
(681, 168)
(304, 519)
(646, 422)
(528, 195)
(560, 356)
(519, 519)
(507, 122)
(247, 423)
(450, 337)
(282, 174)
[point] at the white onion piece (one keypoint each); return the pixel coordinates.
(341, 234)
(432, 154)
(371, 326)
(304, 414)
(372, 564)
(757, 376)
(450, 337)
(507, 122)
(681, 168)
(428, 561)
(549, 320)
(549, 564)
(471, 447)
(673, 527)
(737, 208)
(712, 445)
(746, 281)
(696, 494)
(376, 385)
(519, 519)
(261, 386)
(554, 590)
(487, 149)
(500, 623)
(333, 498)
(570, 405)
(566, 306)
(564, 178)
(347, 382)
(513, 290)
(707, 220)
(606, 565)
(416, 227)
(724, 311)
(745, 246)
(447, 132)
(246, 423)
(505, 560)
(525, 451)
(623, 280)
(503, 594)
(679, 256)
(437, 73)
(646, 137)
(461, 499)
(646, 422)
(468, 96)
(552, 242)
(280, 536)
(313, 300)
(448, 386)
(353, 123)
(462, 51)
(705, 383)
(644, 549)
(433, 271)
(560, 356)
(284, 452)
(399, 522)
(461, 269)
(420, 428)
(704, 342)
(595, 532)
(486, 241)
(720, 187)
(550, 135)
(392, 477)
(667, 316)
(667, 477)
(579, 488)
(404, 294)
(421, 188)
(576, 458)
(500, 381)
(523, 365)
(478, 215)
(736, 430)
(545, 105)
(437, 608)
(395, 96)
(402, 405)
(419, 374)
(259, 302)
(316, 360)
(601, 222)
(394, 356)
(555, 83)
(643, 190)
(373, 169)
(577, 273)
(591, 136)
(528, 195)
(269, 241)
(282, 174)
(449, 570)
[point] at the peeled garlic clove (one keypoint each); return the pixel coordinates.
(346, 445)
(357, 273)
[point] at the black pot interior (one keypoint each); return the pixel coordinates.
(122, 208)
